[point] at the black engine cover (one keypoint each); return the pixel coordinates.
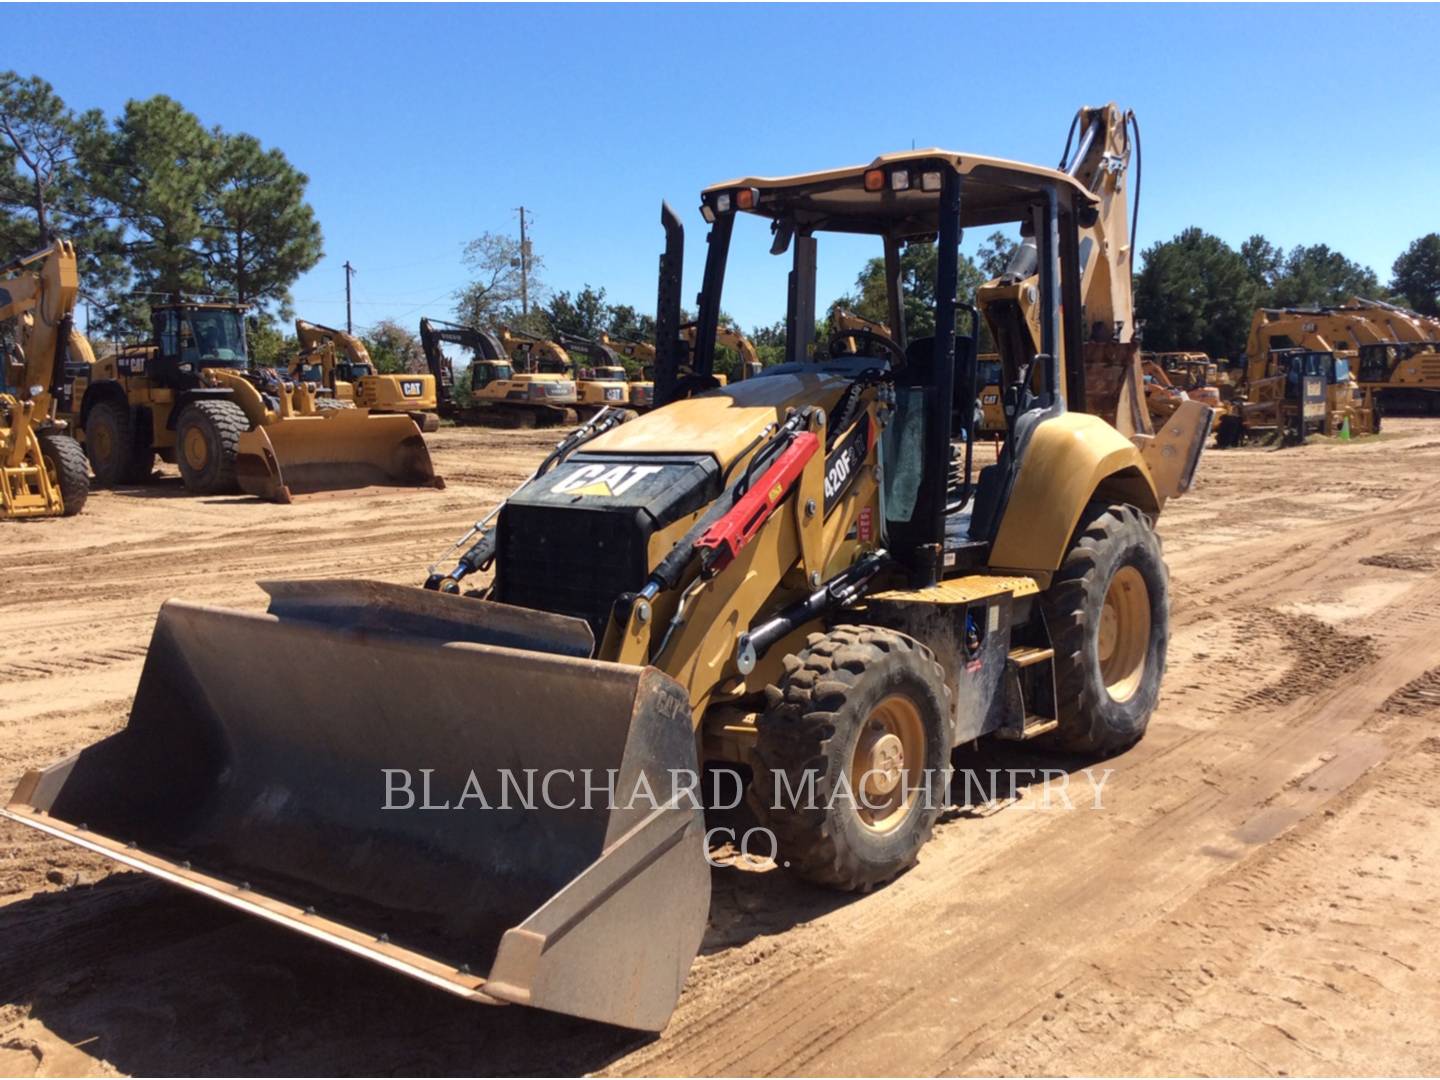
(573, 540)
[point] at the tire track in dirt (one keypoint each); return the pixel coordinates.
(956, 966)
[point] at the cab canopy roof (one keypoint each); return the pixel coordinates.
(898, 195)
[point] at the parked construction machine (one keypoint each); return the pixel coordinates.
(600, 379)
(748, 365)
(642, 386)
(1404, 371)
(784, 574)
(498, 394)
(1298, 378)
(339, 362)
(42, 468)
(191, 397)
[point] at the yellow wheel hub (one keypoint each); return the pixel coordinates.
(888, 763)
(1124, 633)
(196, 449)
(102, 444)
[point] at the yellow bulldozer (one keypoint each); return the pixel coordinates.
(495, 791)
(191, 397)
(340, 363)
(42, 468)
(498, 395)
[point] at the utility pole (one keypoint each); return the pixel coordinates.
(349, 273)
(524, 267)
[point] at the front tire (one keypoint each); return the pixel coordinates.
(68, 469)
(207, 438)
(1230, 432)
(117, 445)
(1108, 611)
(853, 756)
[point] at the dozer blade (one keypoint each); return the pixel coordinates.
(254, 771)
(345, 448)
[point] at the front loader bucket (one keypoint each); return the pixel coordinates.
(441, 785)
(344, 448)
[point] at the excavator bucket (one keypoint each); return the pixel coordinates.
(447, 787)
(344, 448)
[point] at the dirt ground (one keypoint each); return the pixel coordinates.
(1256, 894)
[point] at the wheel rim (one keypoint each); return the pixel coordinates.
(196, 449)
(888, 762)
(1124, 633)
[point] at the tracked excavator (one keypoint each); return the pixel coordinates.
(192, 397)
(344, 368)
(1403, 372)
(727, 336)
(42, 468)
(785, 574)
(498, 395)
(600, 380)
(642, 387)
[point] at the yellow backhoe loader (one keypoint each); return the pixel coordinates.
(784, 574)
(42, 469)
(342, 365)
(498, 395)
(192, 398)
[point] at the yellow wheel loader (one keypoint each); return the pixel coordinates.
(192, 398)
(496, 792)
(341, 364)
(498, 395)
(42, 468)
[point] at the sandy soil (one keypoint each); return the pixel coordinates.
(1255, 896)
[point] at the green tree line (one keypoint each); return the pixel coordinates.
(1197, 292)
(156, 202)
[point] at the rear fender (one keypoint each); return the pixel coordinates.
(1070, 461)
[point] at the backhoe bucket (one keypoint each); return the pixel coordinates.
(344, 448)
(442, 785)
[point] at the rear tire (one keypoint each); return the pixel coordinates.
(862, 713)
(65, 462)
(1229, 432)
(1108, 611)
(207, 438)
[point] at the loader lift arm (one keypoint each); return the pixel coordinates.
(42, 468)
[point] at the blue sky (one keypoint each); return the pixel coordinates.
(421, 127)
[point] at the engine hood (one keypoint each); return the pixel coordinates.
(721, 423)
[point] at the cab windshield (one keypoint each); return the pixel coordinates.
(212, 339)
(351, 371)
(483, 374)
(613, 374)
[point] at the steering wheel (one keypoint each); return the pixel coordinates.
(886, 343)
